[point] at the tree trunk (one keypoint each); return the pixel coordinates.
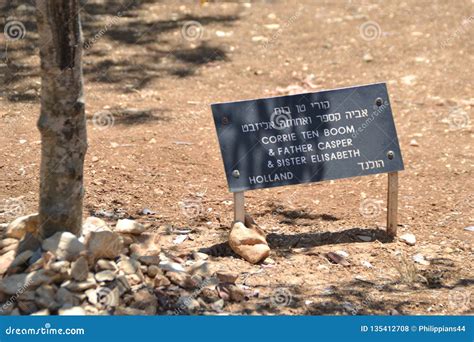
(62, 122)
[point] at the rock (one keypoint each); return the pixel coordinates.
(188, 303)
(236, 293)
(6, 260)
(200, 256)
(342, 253)
(153, 270)
(200, 267)
(80, 286)
(103, 264)
(45, 297)
(209, 295)
(408, 238)
(249, 243)
(366, 264)
(367, 57)
(106, 275)
(29, 243)
(21, 259)
(144, 300)
(65, 297)
(161, 280)
(21, 225)
(183, 280)
(408, 80)
(127, 226)
(121, 284)
(16, 282)
(146, 244)
(74, 311)
(469, 228)
(104, 244)
(337, 259)
(226, 277)
(27, 307)
(128, 265)
(218, 305)
(150, 259)
(170, 266)
(8, 242)
(420, 259)
(9, 248)
(108, 297)
(64, 245)
(61, 266)
(268, 261)
(94, 224)
(364, 238)
(414, 143)
(80, 269)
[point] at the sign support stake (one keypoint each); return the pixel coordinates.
(239, 207)
(392, 204)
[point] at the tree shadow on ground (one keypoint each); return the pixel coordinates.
(145, 54)
(286, 242)
(128, 116)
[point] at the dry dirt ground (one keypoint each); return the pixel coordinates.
(152, 143)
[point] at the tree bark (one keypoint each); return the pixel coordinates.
(62, 122)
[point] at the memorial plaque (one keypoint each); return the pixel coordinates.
(309, 137)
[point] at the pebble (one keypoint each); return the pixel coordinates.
(413, 142)
(127, 226)
(106, 275)
(226, 277)
(10, 285)
(80, 269)
(153, 270)
(419, 258)
(469, 228)
(408, 238)
(365, 238)
(367, 57)
(167, 265)
(218, 305)
(6, 260)
(104, 264)
(128, 265)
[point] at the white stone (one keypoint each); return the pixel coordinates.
(408, 238)
(64, 245)
(127, 226)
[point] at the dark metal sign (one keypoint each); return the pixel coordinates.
(310, 137)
